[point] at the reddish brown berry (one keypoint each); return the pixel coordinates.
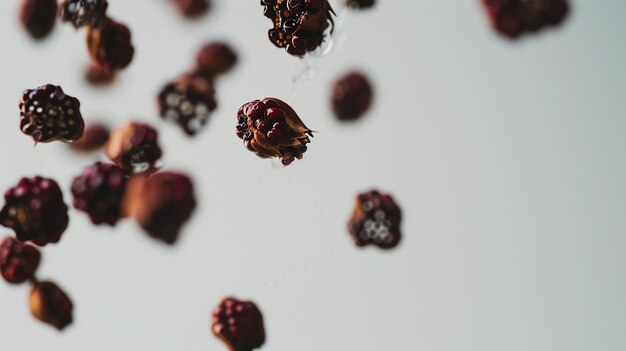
(38, 17)
(352, 96)
(51, 305)
(239, 324)
(47, 114)
(134, 148)
(215, 58)
(83, 12)
(94, 138)
(99, 76)
(192, 8)
(271, 128)
(35, 210)
(161, 204)
(361, 4)
(99, 191)
(513, 18)
(188, 101)
(110, 45)
(299, 25)
(18, 261)
(375, 220)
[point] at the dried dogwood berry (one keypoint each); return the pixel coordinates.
(215, 58)
(35, 210)
(18, 261)
(352, 96)
(94, 137)
(361, 4)
(299, 25)
(239, 324)
(271, 128)
(110, 45)
(161, 204)
(99, 191)
(38, 17)
(188, 101)
(192, 8)
(512, 18)
(134, 148)
(375, 220)
(47, 114)
(84, 12)
(51, 305)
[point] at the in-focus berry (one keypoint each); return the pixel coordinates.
(375, 220)
(18, 261)
(239, 324)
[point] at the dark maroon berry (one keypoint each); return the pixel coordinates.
(239, 324)
(51, 305)
(188, 101)
(47, 114)
(352, 96)
(94, 138)
(360, 4)
(110, 45)
(375, 220)
(35, 210)
(134, 148)
(84, 12)
(97, 75)
(161, 204)
(18, 261)
(99, 191)
(513, 18)
(192, 8)
(271, 128)
(215, 58)
(38, 17)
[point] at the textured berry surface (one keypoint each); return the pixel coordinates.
(94, 138)
(38, 17)
(352, 96)
(192, 8)
(18, 261)
(47, 114)
(110, 45)
(51, 305)
(513, 18)
(361, 4)
(35, 210)
(188, 101)
(99, 191)
(215, 58)
(239, 324)
(271, 128)
(84, 12)
(375, 220)
(134, 148)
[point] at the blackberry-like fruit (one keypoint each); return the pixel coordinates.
(375, 220)
(38, 17)
(51, 305)
(352, 96)
(239, 324)
(110, 45)
(215, 58)
(83, 13)
(18, 261)
(512, 18)
(134, 148)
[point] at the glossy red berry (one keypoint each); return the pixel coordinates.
(110, 45)
(192, 8)
(94, 138)
(512, 18)
(51, 305)
(134, 148)
(99, 191)
(48, 114)
(18, 261)
(360, 4)
(35, 210)
(215, 58)
(352, 96)
(38, 17)
(239, 324)
(375, 220)
(84, 12)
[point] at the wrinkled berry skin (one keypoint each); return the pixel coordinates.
(110, 45)
(99, 191)
(352, 96)
(271, 128)
(161, 204)
(18, 261)
(134, 148)
(299, 25)
(38, 17)
(360, 4)
(83, 13)
(188, 101)
(47, 114)
(51, 305)
(35, 210)
(375, 220)
(512, 18)
(239, 324)
(96, 75)
(94, 138)
(215, 58)
(192, 8)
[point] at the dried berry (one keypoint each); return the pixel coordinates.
(134, 148)
(18, 261)
(192, 8)
(84, 12)
(97, 75)
(239, 324)
(51, 305)
(352, 96)
(47, 114)
(161, 204)
(299, 25)
(99, 191)
(512, 18)
(215, 58)
(271, 128)
(38, 17)
(35, 210)
(361, 4)
(375, 220)
(188, 101)
(95, 137)
(110, 45)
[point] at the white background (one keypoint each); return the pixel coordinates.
(507, 158)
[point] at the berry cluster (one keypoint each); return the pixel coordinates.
(513, 18)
